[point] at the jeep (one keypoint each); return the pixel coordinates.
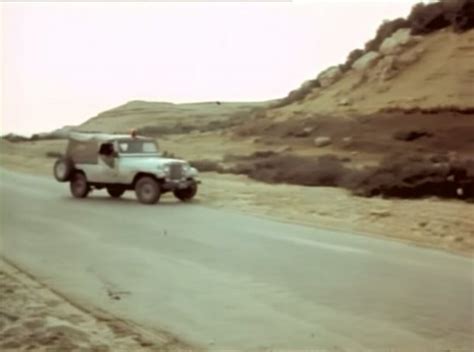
(120, 163)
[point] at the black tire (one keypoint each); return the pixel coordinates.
(63, 169)
(148, 190)
(78, 185)
(115, 192)
(186, 194)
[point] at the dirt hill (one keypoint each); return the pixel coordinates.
(433, 72)
(160, 117)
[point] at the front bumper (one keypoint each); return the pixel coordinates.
(171, 185)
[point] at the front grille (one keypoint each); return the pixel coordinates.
(176, 171)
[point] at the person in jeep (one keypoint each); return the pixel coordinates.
(123, 162)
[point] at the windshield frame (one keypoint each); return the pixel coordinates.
(129, 140)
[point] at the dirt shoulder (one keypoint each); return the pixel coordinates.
(430, 222)
(32, 317)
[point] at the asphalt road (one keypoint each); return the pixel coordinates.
(226, 280)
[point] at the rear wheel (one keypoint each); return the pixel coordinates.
(186, 194)
(78, 185)
(115, 192)
(148, 190)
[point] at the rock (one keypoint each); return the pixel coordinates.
(344, 102)
(329, 76)
(386, 68)
(305, 132)
(347, 140)
(398, 41)
(382, 213)
(322, 141)
(283, 149)
(366, 61)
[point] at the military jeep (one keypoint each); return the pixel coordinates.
(120, 163)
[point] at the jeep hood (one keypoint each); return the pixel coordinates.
(149, 162)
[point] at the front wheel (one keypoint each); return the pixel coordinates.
(115, 192)
(78, 185)
(186, 194)
(148, 190)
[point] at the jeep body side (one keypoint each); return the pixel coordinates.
(120, 163)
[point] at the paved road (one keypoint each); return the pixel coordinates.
(226, 280)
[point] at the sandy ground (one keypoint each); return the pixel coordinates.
(435, 223)
(33, 318)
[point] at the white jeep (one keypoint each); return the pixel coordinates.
(123, 162)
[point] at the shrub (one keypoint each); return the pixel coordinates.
(427, 18)
(401, 176)
(353, 56)
(460, 14)
(323, 171)
(415, 177)
(411, 135)
(14, 138)
(53, 155)
(386, 29)
(167, 154)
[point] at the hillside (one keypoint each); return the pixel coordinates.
(161, 117)
(433, 72)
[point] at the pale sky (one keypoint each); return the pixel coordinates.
(65, 62)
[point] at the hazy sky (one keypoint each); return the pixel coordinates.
(65, 62)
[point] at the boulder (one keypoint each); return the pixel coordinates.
(329, 76)
(366, 61)
(322, 141)
(398, 41)
(410, 57)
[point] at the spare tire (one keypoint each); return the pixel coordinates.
(63, 168)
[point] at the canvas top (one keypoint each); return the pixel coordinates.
(101, 137)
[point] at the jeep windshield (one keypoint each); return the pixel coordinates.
(137, 147)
